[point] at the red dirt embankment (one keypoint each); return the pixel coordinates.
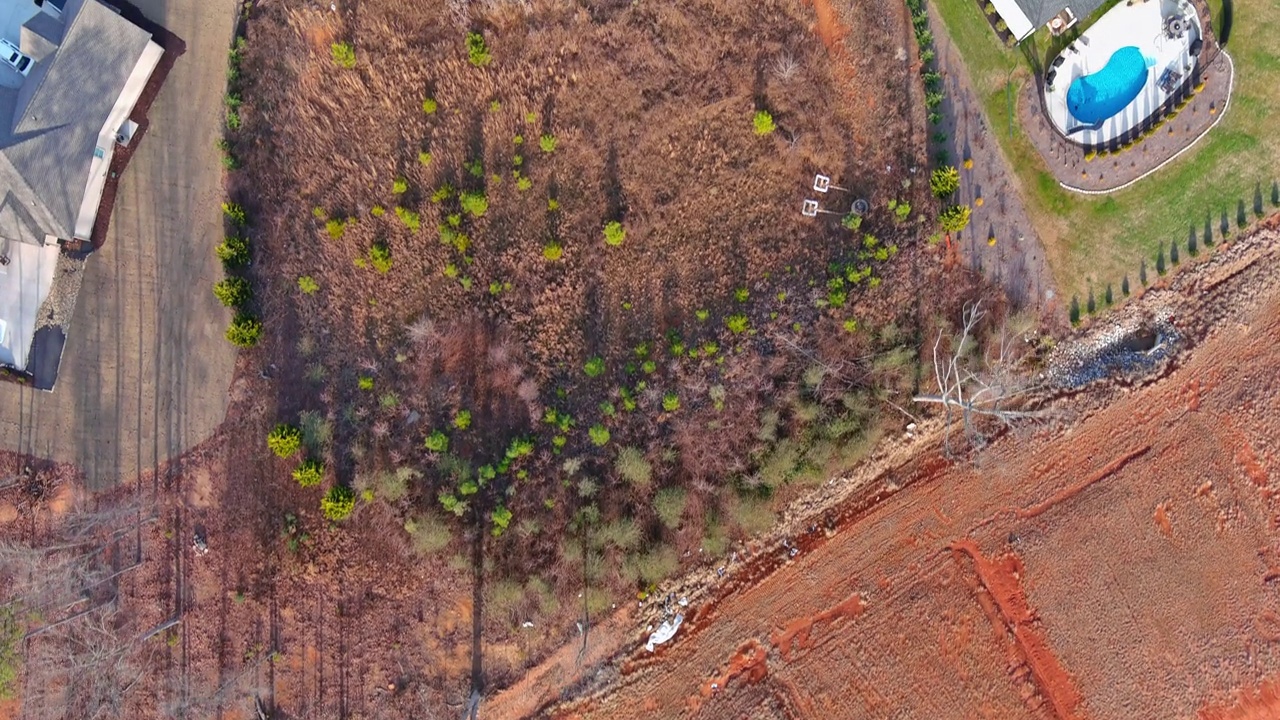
(1150, 595)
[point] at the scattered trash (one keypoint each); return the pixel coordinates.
(665, 632)
(199, 543)
(794, 552)
(684, 602)
(720, 571)
(526, 624)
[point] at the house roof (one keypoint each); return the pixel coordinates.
(1040, 12)
(49, 126)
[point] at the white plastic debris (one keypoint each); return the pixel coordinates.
(526, 624)
(665, 632)
(684, 602)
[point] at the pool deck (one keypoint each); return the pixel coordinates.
(1140, 25)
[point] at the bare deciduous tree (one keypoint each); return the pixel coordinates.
(981, 384)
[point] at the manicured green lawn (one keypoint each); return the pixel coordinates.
(1100, 239)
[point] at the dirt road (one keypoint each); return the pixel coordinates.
(146, 370)
(1120, 569)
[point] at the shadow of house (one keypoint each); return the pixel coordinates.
(65, 99)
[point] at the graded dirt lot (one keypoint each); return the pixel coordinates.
(145, 371)
(1123, 568)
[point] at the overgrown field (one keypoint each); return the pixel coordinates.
(538, 280)
(1218, 184)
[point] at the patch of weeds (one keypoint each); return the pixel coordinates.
(737, 324)
(308, 285)
(614, 233)
(338, 504)
(380, 257)
(547, 143)
(477, 50)
(474, 203)
(344, 54)
(429, 106)
(437, 442)
(442, 193)
(599, 435)
(400, 186)
(552, 251)
(462, 419)
(523, 184)
(763, 123)
(424, 158)
(336, 228)
(235, 213)
(594, 367)
(670, 402)
(741, 294)
(410, 218)
(365, 382)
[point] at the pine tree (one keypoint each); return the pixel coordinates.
(1142, 272)
(1160, 261)
(1074, 312)
(1108, 298)
(1192, 247)
(1091, 306)
(1208, 232)
(1173, 253)
(1124, 286)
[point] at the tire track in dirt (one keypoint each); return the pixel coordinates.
(1001, 578)
(1071, 491)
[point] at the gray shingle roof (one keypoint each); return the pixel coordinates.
(1040, 12)
(49, 127)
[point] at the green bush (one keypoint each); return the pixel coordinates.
(233, 291)
(474, 203)
(670, 402)
(244, 330)
(399, 186)
(338, 504)
(310, 473)
(424, 158)
(285, 440)
(669, 504)
(599, 435)
(594, 367)
(462, 419)
(343, 54)
(1001, 26)
(852, 221)
(235, 213)
(989, 9)
(308, 285)
(336, 228)
(944, 181)
(477, 50)
(933, 99)
(614, 233)
(409, 218)
(552, 251)
(547, 143)
(429, 106)
(633, 467)
(501, 518)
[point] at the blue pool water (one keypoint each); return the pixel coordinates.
(1095, 97)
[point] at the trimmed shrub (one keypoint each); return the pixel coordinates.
(954, 218)
(244, 331)
(233, 291)
(310, 473)
(285, 440)
(338, 504)
(437, 442)
(233, 252)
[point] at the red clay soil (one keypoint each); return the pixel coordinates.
(1141, 585)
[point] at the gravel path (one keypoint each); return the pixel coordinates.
(1016, 259)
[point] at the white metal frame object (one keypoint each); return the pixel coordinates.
(810, 208)
(821, 183)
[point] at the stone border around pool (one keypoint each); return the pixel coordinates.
(1226, 104)
(1079, 169)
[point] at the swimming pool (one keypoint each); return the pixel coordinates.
(1095, 97)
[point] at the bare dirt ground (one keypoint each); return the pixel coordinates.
(1120, 568)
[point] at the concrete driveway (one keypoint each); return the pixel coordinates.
(146, 369)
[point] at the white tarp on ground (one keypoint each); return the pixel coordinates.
(1018, 22)
(665, 632)
(24, 284)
